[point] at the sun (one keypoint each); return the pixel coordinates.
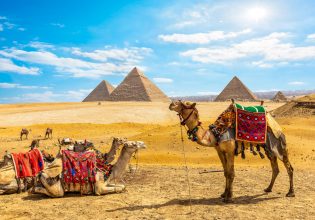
(256, 14)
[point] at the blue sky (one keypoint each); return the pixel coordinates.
(60, 50)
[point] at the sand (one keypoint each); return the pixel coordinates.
(159, 188)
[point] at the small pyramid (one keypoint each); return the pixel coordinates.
(137, 87)
(100, 93)
(279, 97)
(235, 89)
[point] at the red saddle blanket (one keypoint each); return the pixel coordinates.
(251, 126)
(104, 167)
(78, 167)
(28, 164)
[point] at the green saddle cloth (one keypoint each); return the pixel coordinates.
(258, 108)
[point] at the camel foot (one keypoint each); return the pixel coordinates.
(223, 195)
(267, 190)
(290, 194)
(228, 200)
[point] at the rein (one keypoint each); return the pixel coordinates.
(191, 133)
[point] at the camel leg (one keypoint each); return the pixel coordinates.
(289, 168)
(275, 172)
(230, 175)
(19, 189)
(223, 161)
(110, 188)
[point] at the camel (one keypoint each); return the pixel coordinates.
(226, 149)
(9, 184)
(54, 187)
(48, 133)
(25, 132)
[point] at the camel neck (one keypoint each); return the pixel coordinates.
(112, 152)
(121, 164)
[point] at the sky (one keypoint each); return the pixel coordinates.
(56, 51)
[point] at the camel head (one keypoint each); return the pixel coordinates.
(119, 141)
(186, 110)
(180, 106)
(133, 146)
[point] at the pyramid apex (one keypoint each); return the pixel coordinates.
(136, 72)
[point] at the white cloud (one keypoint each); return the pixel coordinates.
(119, 61)
(207, 93)
(9, 25)
(267, 50)
(162, 80)
(40, 45)
(50, 96)
(311, 37)
(6, 65)
(1, 27)
(3, 18)
(132, 54)
(58, 25)
(19, 86)
(21, 29)
(296, 83)
(202, 38)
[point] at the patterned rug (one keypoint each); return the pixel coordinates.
(78, 167)
(251, 126)
(28, 164)
(104, 167)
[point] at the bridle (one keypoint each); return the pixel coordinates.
(182, 120)
(191, 133)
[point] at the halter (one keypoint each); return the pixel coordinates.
(191, 133)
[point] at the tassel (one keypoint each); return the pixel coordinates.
(243, 150)
(236, 149)
(262, 156)
(252, 150)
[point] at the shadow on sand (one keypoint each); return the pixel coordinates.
(242, 200)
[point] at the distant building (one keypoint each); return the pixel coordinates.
(236, 90)
(279, 97)
(100, 93)
(137, 87)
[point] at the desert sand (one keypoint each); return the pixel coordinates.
(159, 190)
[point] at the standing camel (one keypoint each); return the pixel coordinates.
(48, 133)
(25, 132)
(53, 187)
(225, 149)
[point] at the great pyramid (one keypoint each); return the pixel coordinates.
(100, 93)
(279, 97)
(137, 87)
(235, 89)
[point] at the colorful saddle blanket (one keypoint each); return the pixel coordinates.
(251, 124)
(28, 164)
(78, 167)
(103, 166)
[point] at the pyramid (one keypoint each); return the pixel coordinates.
(279, 97)
(137, 87)
(235, 89)
(100, 93)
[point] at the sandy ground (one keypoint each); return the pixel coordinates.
(159, 189)
(159, 192)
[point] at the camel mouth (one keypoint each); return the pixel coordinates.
(141, 145)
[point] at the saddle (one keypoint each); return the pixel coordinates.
(248, 122)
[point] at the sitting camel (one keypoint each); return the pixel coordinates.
(226, 149)
(54, 187)
(9, 184)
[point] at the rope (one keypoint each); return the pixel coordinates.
(187, 171)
